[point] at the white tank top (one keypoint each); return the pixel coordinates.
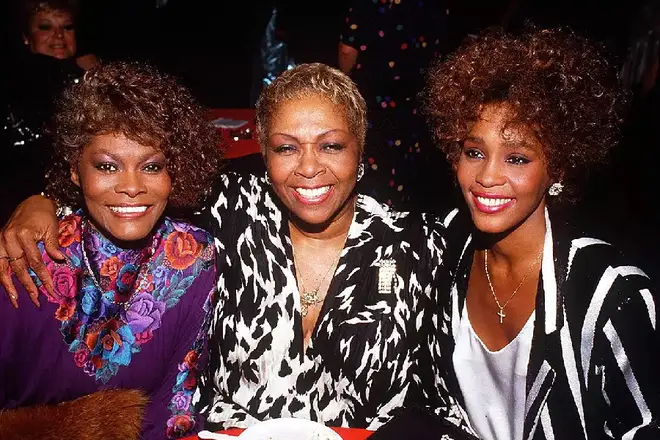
(493, 382)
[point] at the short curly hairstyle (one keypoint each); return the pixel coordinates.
(554, 81)
(313, 79)
(29, 8)
(145, 106)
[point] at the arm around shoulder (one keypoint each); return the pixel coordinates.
(34, 220)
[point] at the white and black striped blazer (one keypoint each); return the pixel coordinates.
(594, 369)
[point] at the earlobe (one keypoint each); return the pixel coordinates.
(75, 178)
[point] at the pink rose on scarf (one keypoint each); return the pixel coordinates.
(144, 337)
(65, 285)
(81, 357)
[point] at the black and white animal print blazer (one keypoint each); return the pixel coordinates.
(594, 370)
(361, 362)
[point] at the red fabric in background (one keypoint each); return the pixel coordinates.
(345, 433)
(241, 147)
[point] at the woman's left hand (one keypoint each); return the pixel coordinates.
(87, 61)
(34, 220)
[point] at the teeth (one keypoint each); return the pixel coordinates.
(128, 209)
(493, 202)
(311, 193)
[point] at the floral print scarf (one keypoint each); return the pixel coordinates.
(108, 314)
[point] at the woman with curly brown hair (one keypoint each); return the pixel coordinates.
(546, 333)
(128, 292)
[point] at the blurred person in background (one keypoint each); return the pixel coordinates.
(41, 70)
(386, 47)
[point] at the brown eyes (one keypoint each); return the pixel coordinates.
(153, 167)
(333, 147)
(106, 167)
(472, 153)
(518, 160)
(289, 148)
(514, 159)
(284, 148)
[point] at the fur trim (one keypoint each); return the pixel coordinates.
(104, 415)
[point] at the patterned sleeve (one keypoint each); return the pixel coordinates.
(221, 216)
(435, 247)
(191, 354)
(421, 243)
(437, 266)
(184, 420)
(358, 26)
(626, 349)
(213, 404)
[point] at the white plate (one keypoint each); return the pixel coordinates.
(289, 429)
(228, 123)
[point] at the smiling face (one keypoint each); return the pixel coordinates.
(502, 174)
(125, 186)
(52, 32)
(312, 159)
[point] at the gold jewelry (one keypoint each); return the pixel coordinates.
(500, 312)
(12, 259)
(312, 297)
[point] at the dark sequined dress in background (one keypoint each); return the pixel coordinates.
(28, 101)
(397, 40)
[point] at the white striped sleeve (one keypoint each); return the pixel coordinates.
(630, 360)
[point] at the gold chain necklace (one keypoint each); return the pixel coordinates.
(500, 312)
(312, 297)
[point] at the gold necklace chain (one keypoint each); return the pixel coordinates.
(500, 312)
(312, 297)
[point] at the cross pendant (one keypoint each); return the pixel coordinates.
(501, 314)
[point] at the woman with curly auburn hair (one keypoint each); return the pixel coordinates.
(126, 284)
(546, 333)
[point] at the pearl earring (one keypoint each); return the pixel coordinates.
(555, 189)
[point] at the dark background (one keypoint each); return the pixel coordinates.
(211, 44)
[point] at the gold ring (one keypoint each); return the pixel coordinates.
(12, 259)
